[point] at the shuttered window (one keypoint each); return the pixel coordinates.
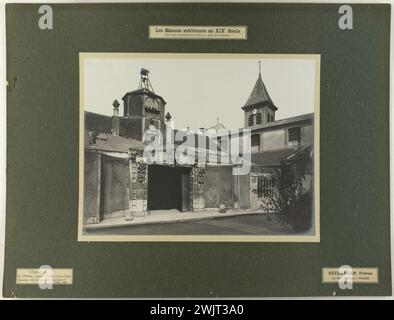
(258, 118)
(250, 120)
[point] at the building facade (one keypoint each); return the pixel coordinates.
(121, 179)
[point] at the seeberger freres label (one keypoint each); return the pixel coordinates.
(358, 275)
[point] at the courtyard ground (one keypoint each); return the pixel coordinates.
(246, 224)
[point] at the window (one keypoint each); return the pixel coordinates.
(294, 136)
(255, 142)
(250, 120)
(258, 118)
(223, 143)
(220, 142)
(264, 187)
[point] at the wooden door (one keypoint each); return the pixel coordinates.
(253, 192)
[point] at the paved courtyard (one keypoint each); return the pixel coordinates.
(252, 224)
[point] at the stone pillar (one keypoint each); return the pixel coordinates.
(198, 187)
(138, 204)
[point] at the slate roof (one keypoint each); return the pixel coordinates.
(259, 95)
(144, 92)
(303, 117)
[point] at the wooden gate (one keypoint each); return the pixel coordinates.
(115, 186)
(261, 192)
(218, 187)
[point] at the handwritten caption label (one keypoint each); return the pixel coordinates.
(59, 276)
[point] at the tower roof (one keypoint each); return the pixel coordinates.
(259, 95)
(145, 87)
(144, 92)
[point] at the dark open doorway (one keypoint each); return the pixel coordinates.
(168, 188)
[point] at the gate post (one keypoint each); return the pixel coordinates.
(198, 187)
(138, 203)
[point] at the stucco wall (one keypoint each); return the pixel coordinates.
(307, 135)
(271, 140)
(277, 138)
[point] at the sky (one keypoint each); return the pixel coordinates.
(198, 91)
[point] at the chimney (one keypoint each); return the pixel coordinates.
(115, 119)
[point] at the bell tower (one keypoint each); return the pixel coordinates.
(143, 109)
(259, 108)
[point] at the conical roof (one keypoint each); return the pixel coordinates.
(259, 94)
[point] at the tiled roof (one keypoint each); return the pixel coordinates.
(259, 94)
(109, 142)
(307, 116)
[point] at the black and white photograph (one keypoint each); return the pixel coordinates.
(199, 147)
(173, 151)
